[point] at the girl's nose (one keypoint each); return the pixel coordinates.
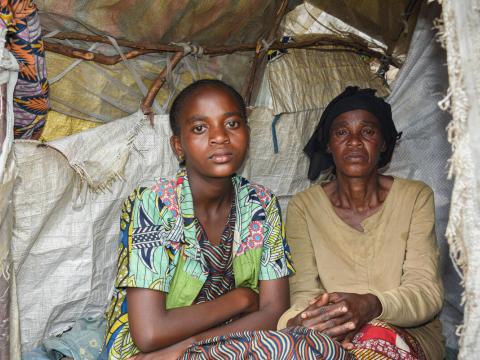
(218, 135)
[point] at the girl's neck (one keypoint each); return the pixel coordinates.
(210, 194)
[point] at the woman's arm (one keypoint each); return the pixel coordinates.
(305, 285)
(420, 295)
(153, 327)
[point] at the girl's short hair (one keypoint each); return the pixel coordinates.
(187, 92)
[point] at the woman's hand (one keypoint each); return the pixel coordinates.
(345, 314)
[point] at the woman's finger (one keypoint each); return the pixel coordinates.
(325, 313)
(323, 326)
(340, 329)
(347, 341)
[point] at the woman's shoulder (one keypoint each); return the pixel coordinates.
(308, 195)
(411, 186)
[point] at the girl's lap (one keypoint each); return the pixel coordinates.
(376, 338)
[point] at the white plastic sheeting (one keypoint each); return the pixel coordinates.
(461, 38)
(424, 149)
(9, 339)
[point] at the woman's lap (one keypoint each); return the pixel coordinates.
(385, 341)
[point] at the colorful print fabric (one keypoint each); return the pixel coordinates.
(220, 278)
(159, 241)
(24, 40)
(286, 344)
(379, 340)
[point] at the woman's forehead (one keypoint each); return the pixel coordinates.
(356, 116)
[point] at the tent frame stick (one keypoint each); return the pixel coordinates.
(147, 101)
(314, 41)
(260, 53)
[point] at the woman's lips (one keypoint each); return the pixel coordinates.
(355, 157)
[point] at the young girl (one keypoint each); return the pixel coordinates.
(203, 255)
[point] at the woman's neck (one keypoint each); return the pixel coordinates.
(210, 194)
(358, 194)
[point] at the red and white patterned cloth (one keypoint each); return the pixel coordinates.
(378, 340)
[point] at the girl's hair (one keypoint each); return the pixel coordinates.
(186, 93)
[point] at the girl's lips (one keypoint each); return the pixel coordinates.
(221, 157)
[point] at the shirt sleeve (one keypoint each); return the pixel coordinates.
(305, 284)
(276, 261)
(420, 294)
(145, 253)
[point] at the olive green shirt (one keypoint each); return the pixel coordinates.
(394, 258)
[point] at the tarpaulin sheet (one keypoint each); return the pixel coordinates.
(211, 22)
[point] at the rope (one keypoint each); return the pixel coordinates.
(263, 45)
(189, 48)
(129, 66)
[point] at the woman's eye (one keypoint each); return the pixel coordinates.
(368, 131)
(233, 124)
(340, 132)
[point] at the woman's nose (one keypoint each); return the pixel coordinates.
(354, 140)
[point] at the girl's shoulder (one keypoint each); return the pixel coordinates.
(258, 192)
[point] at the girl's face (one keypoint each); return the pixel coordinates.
(356, 142)
(214, 138)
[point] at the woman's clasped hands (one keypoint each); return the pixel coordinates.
(339, 315)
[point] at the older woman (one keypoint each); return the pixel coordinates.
(364, 243)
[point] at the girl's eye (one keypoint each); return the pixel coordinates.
(233, 124)
(198, 129)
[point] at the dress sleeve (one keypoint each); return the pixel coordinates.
(276, 261)
(420, 294)
(145, 253)
(305, 285)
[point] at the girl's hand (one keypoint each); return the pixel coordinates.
(172, 352)
(345, 315)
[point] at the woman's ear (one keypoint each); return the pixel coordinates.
(384, 147)
(177, 148)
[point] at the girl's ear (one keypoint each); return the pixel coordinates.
(177, 147)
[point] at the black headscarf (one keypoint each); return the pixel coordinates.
(352, 98)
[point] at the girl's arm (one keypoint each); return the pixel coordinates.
(153, 327)
(274, 300)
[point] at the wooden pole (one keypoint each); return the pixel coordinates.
(260, 55)
(147, 101)
(315, 41)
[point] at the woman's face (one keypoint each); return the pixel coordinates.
(214, 138)
(356, 143)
